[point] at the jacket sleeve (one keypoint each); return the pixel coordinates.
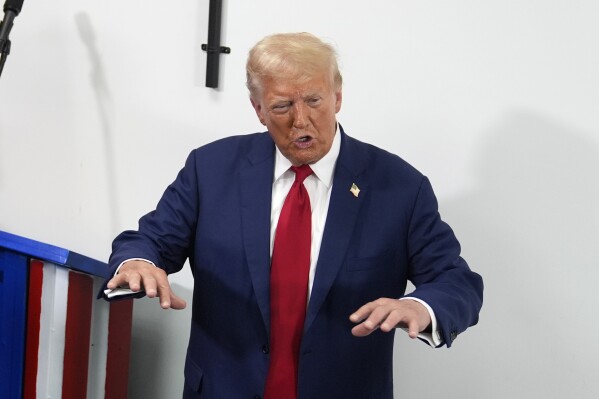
(165, 235)
(441, 277)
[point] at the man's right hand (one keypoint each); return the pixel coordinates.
(139, 275)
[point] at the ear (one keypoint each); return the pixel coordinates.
(338, 100)
(258, 108)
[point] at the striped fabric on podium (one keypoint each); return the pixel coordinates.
(73, 349)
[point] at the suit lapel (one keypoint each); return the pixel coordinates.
(256, 193)
(341, 218)
(256, 196)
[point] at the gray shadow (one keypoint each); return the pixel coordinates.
(101, 90)
(530, 227)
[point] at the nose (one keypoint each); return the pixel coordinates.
(300, 115)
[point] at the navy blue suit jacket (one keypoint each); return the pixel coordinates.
(217, 214)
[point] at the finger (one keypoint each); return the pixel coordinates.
(391, 321)
(396, 317)
(363, 329)
(372, 323)
(177, 303)
(386, 327)
(113, 283)
(130, 275)
(413, 328)
(362, 313)
(150, 286)
(119, 280)
(164, 294)
(133, 280)
(405, 319)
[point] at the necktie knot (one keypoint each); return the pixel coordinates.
(301, 172)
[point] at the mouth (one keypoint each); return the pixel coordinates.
(303, 142)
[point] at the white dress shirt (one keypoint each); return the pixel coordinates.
(318, 185)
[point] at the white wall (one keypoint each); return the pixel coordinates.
(496, 101)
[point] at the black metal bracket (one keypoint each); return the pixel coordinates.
(222, 49)
(12, 8)
(213, 48)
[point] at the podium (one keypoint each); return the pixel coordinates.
(56, 339)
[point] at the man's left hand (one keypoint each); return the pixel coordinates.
(387, 314)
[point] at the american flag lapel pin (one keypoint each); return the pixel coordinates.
(354, 190)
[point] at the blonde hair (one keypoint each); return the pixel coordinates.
(293, 56)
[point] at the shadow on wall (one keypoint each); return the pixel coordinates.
(158, 347)
(530, 227)
(100, 88)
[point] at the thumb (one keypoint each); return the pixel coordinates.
(177, 302)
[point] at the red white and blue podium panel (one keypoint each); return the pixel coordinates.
(57, 340)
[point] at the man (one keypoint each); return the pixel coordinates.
(318, 320)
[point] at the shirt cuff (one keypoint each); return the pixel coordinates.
(121, 291)
(434, 337)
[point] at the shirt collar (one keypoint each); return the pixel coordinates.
(323, 169)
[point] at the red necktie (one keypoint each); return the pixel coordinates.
(289, 288)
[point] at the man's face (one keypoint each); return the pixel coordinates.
(300, 116)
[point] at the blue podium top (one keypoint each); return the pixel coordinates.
(51, 253)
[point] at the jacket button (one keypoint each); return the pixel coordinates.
(265, 349)
(257, 397)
